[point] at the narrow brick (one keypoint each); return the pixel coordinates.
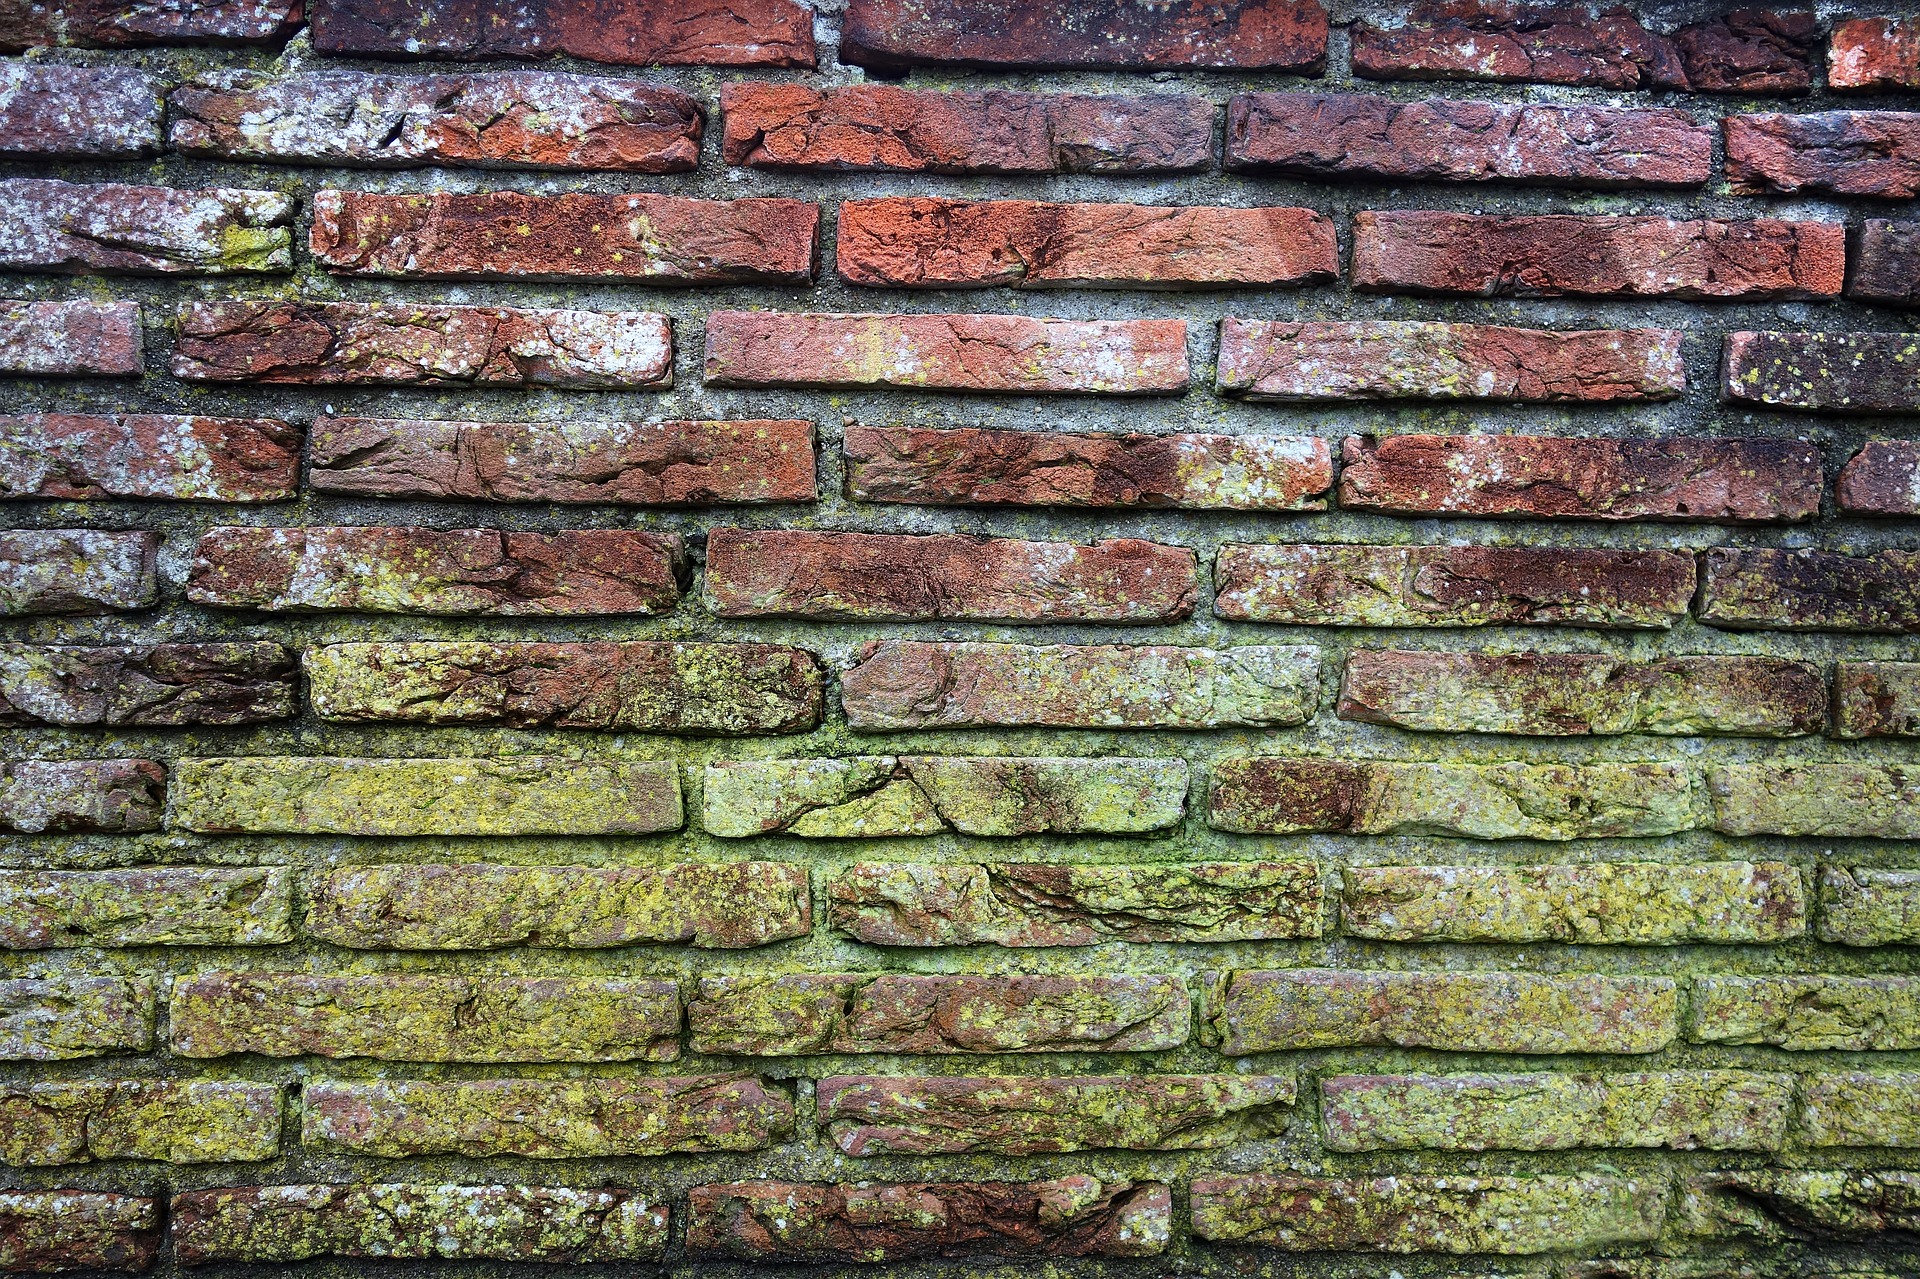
(77, 571)
(48, 796)
(90, 24)
(416, 1017)
(1876, 699)
(805, 1014)
(1073, 1216)
(1356, 585)
(453, 572)
(1343, 135)
(146, 906)
(1030, 1115)
(160, 685)
(1006, 354)
(633, 33)
(61, 1018)
(45, 1231)
(1024, 904)
(830, 576)
(1283, 1011)
(79, 228)
(1866, 153)
(78, 113)
(1858, 801)
(508, 795)
(1577, 694)
(881, 127)
(70, 339)
(1824, 372)
(178, 1122)
(927, 243)
(484, 906)
(1865, 906)
(1883, 478)
(498, 120)
(1854, 1108)
(1330, 361)
(638, 686)
(1779, 1206)
(1807, 1013)
(899, 684)
(1597, 903)
(891, 795)
(1886, 263)
(1764, 589)
(164, 456)
(1874, 54)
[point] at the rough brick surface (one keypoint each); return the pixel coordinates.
(1823, 372)
(1866, 153)
(1776, 1205)
(94, 24)
(77, 571)
(1764, 589)
(1807, 1014)
(149, 684)
(44, 1124)
(57, 1019)
(70, 339)
(78, 112)
(726, 33)
(148, 455)
(1886, 263)
(1868, 801)
(1883, 478)
(146, 906)
(1855, 1108)
(1876, 699)
(47, 1231)
(1874, 53)
(110, 227)
(110, 795)
(1862, 906)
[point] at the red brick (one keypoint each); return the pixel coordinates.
(89, 113)
(822, 576)
(1427, 251)
(1762, 589)
(882, 127)
(70, 339)
(1823, 372)
(1872, 153)
(1415, 360)
(77, 228)
(1886, 263)
(635, 33)
(1324, 135)
(451, 573)
(47, 1231)
(1545, 477)
(330, 343)
(928, 243)
(48, 796)
(77, 571)
(1876, 699)
(1874, 54)
(994, 353)
(1749, 51)
(113, 24)
(148, 455)
(1883, 478)
(506, 235)
(170, 685)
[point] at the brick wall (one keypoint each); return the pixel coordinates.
(1195, 638)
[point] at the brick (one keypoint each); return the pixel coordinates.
(1867, 153)
(1874, 54)
(1750, 51)
(546, 1118)
(928, 1115)
(47, 796)
(164, 456)
(829, 576)
(805, 1014)
(415, 1222)
(1855, 1108)
(80, 113)
(1886, 263)
(1562, 255)
(1861, 801)
(1883, 478)
(1451, 1214)
(185, 1122)
(881, 127)
(1315, 361)
(1766, 589)
(146, 906)
(1577, 694)
(1350, 135)
(70, 339)
(1781, 1205)
(1823, 372)
(110, 227)
(1356, 585)
(94, 24)
(891, 795)
(482, 906)
(612, 687)
(634, 33)
(1072, 1216)
(1025, 904)
(1864, 906)
(1007, 354)
(162, 685)
(77, 571)
(898, 684)
(1876, 699)
(452, 572)
(421, 1017)
(928, 243)
(62, 1018)
(495, 120)
(508, 795)
(46, 1231)
(1807, 1013)
(974, 466)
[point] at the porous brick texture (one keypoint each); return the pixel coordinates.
(1089, 639)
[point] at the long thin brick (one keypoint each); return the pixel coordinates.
(881, 127)
(146, 906)
(162, 456)
(1855, 800)
(452, 572)
(508, 795)
(45, 1231)
(929, 243)
(190, 1122)
(1823, 372)
(898, 684)
(78, 228)
(70, 339)
(635, 33)
(1867, 153)
(1883, 478)
(1767, 589)
(77, 571)
(1780, 1206)
(1874, 54)
(1876, 699)
(161, 685)
(80, 113)
(91, 24)
(1807, 1013)
(1886, 263)
(1339, 135)
(61, 1018)
(1331, 361)
(638, 686)
(45, 796)
(1867, 906)
(1854, 1109)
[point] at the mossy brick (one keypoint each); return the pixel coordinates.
(47, 796)
(1874, 54)
(60, 1018)
(70, 339)
(1807, 1013)
(162, 456)
(1768, 589)
(1858, 1108)
(146, 906)
(114, 228)
(84, 25)
(47, 1231)
(1779, 1204)
(166, 1121)
(634, 33)
(1857, 153)
(1825, 372)
(92, 113)
(77, 571)
(158, 685)
(1854, 800)
(1869, 906)
(1876, 699)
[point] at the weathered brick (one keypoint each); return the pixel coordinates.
(509, 795)
(70, 339)
(1450, 1214)
(1865, 906)
(1010, 354)
(896, 684)
(1855, 1108)
(420, 1017)
(882, 795)
(77, 571)
(78, 228)
(1313, 361)
(1575, 694)
(1350, 135)
(1779, 1205)
(976, 466)
(60, 1018)
(1597, 903)
(1072, 1216)
(482, 906)
(1807, 1013)
(1034, 904)
(379, 344)
(86, 113)
(45, 1231)
(415, 1221)
(1767, 589)
(180, 1122)
(1874, 54)
(148, 455)
(498, 120)
(636, 33)
(168, 685)
(1886, 263)
(146, 906)
(1870, 153)
(1827, 800)
(828, 576)
(1286, 1010)
(508, 235)
(803, 1014)
(48, 796)
(110, 25)
(1750, 51)
(1824, 372)
(546, 1118)
(928, 243)
(1876, 699)
(1357, 585)
(450, 572)
(1883, 478)
(639, 686)
(884, 127)
(1031, 1115)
